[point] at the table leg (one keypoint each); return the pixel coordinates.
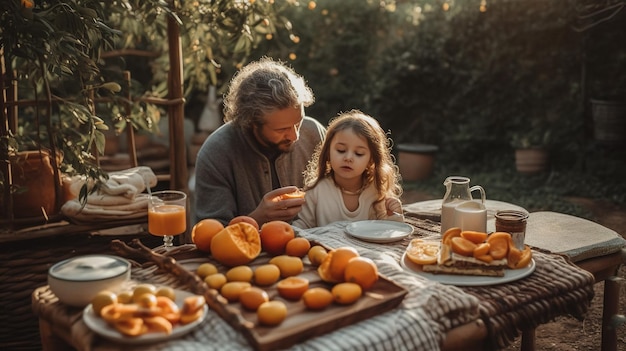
(528, 340)
(611, 303)
(49, 340)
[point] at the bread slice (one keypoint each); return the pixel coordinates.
(449, 262)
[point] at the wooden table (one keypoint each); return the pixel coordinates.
(481, 324)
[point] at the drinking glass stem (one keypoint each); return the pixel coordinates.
(168, 241)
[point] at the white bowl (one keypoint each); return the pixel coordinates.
(76, 281)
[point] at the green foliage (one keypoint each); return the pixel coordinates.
(473, 82)
(57, 46)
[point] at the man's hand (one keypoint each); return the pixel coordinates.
(276, 206)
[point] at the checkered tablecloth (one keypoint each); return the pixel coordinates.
(420, 322)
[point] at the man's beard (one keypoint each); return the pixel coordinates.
(282, 146)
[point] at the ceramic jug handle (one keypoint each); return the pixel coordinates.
(482, 192)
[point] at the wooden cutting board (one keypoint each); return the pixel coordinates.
(301, 324)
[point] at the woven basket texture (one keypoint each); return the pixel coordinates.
(24, 267)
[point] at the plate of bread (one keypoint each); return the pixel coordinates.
(469, 258)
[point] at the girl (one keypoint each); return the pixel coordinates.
(352, 175)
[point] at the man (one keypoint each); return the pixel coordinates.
(262, 150)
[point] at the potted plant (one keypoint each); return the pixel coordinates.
(532, 154)
(601, 26)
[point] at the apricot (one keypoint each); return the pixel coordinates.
(253, 297)
(288, 265)
(216, 281)
(462, 246)
(292, 288)
(474, 236)
(317, 298)
(297, 247)
(499, 244)
(232, 290)
(316, 255)
(266, 274)
(449, 234)
(239, 274)
(346, 293)
(272, 312)
(481, 250)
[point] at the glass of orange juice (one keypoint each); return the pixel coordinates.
(167, 215)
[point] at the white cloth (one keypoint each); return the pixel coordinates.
(128, 182)
(120, 197)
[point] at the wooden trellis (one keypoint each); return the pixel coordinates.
(174, 103)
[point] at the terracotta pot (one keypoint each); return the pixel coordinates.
(33, 178)
(531, 160)
(416, 161)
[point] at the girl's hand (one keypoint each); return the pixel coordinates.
(393, 206)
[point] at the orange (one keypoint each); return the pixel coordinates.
(292, 288)
(317, 298)
(298, 194)
(288, 265)
(266, 274)
(239, 274)
(474, 236)
(361, 270)
(423, 252)
(346, 293)
(297, 247)
(232, 290)
(236, 245)
(204, 231)
(272, 312)
(334, 264)
(246, 219)
(275, 235)
(317, 254)
(253, 298)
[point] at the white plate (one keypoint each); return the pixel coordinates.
(379, 231)
(100, 327)
(468, 280)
